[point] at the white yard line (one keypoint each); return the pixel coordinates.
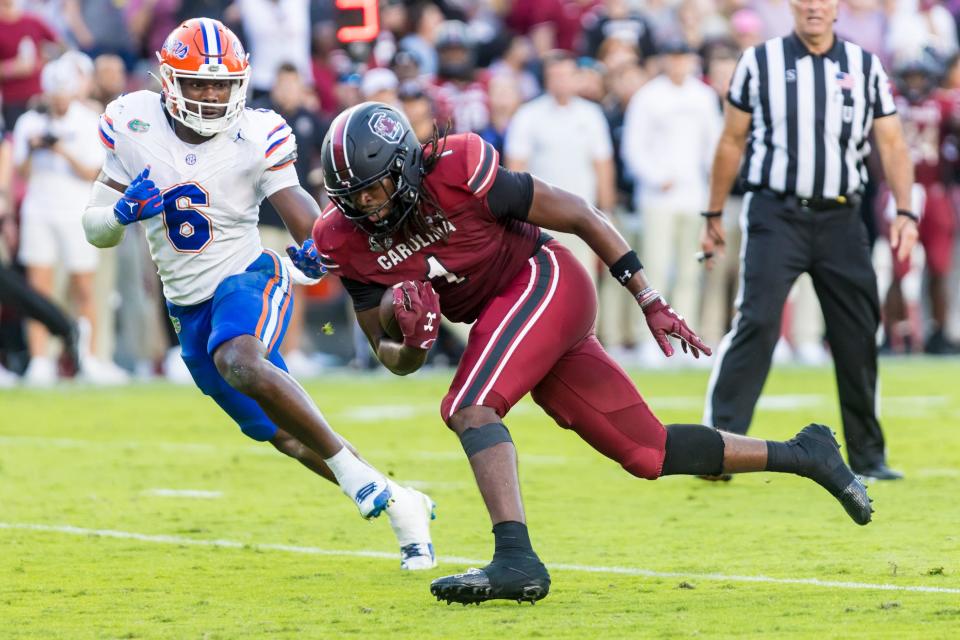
(630, 571)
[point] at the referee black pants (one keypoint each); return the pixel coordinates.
(782, 240)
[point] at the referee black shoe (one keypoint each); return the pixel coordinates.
(821, 462)
(878, 471)
(520, 579)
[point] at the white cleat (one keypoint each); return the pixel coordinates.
(372, 498)
(410, 516)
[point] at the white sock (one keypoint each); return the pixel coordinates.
(351, 472)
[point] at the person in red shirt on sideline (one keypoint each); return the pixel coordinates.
(22, 40)
(453, 233)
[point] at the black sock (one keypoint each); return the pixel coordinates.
(513, 557)
(782, 456)
(511, 537)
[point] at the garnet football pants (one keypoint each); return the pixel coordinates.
(537, 336)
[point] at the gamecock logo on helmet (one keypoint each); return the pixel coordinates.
(386, 127)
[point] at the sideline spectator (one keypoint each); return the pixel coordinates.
(109, 78)
(426, 18)
(149, 22)
(618, 20)
(459, 89)
(670, 131)
(18, 296)
(418, 108)
(380, 85)
(57, 151)
(277, 31)
(564, 140)
(504, 102)
(98, 27)
(23, 40)
(617, 324)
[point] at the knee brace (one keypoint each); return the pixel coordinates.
(476, 439)
(693, 449)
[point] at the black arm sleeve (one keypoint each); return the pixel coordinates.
(365, 295)
(511, 194)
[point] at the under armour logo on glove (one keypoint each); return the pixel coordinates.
(141, 200)
(307, 260)
(664, 321)
(416, 306)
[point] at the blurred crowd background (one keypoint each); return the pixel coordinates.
(619, 101)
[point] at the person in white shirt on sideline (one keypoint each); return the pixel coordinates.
(55, 148)
(565, 140)
(669, 134)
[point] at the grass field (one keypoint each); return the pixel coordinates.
(96, 541)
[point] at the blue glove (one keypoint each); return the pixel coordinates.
(306, 259)
(140, 201)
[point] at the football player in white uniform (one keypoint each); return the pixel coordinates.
(192, 165)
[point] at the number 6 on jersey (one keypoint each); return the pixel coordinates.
(188, 230)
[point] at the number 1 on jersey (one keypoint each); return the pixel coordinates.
(435, 269)
(188, 230)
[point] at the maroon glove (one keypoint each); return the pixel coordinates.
(417, 307)
(664, 321)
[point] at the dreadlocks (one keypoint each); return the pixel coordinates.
(429, 217)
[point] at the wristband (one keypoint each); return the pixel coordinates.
(711, 214)
(624, 268)
(647, 296)
(908, 214)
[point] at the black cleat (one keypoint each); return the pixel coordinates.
(878, 472)
(494, 582)
(823, 464)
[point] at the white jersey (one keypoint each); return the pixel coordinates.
(212, 191)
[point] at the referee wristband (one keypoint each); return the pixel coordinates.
(908, 214)
(625, 267)
(711, 214)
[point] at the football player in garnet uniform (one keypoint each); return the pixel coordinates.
(455, 234)
(929, 117)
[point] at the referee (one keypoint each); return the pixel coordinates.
(802, 107)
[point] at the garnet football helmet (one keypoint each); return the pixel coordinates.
(203, 48)
(364, 145)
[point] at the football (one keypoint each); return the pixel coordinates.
(388, 321)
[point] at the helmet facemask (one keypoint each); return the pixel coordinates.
(396, 207)
(190, 112)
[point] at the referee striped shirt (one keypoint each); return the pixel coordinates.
(811, 115)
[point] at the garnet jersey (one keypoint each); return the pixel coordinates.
(480, 256)
(925, 125)
(211, 191)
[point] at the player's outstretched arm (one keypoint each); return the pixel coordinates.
(554, 208)
(297, 209)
